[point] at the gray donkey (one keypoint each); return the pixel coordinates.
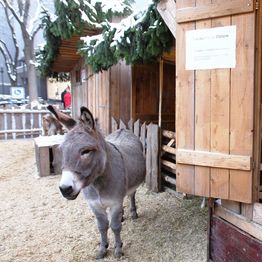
(105, 169)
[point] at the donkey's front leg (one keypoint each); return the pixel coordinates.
(102, 224)
(116, 213)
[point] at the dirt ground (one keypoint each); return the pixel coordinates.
(38, 224)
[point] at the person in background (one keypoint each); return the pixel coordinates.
(67, 98)
(62, 97)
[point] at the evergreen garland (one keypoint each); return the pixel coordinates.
(143, 42)
(72, 17)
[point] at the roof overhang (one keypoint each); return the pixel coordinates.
(68, 56)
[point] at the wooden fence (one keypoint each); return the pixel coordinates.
(149, 137)
(160, 153)
(21, 123)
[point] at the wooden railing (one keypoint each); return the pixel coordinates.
(21, 123)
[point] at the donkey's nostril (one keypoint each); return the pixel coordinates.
(66, 190)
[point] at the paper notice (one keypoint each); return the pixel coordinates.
(211, 48)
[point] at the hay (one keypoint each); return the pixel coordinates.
(37, 224)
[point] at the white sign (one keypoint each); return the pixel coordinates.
(83, 75)
(17, 92)
(211, 48)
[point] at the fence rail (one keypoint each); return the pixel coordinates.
(21, 123)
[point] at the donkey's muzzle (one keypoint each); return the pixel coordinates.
(67, 192)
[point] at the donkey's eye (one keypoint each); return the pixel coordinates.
(85, 152)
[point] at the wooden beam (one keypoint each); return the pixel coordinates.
(169, 134)
(168, 164)
(161, 81)
(210, 159)
(169, 149)
(239, 221)
(257, 213)
(219, 9)
(167, 9)
(169, 179)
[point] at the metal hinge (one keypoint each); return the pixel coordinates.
(257, 5)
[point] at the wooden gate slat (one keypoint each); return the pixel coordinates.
(184, 99)
(202, 116)
(220, 108)
(241, 118)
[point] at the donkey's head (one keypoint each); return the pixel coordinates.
(83, 152)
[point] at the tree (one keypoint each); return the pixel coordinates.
(11, 61)
(27, 16)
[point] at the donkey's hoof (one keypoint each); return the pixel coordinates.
(101, 254)
(118, 252)
(134, 215)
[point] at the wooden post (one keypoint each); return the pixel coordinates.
(161, 71)
(122, 124)
(152, 159)
(114, 125)
(137, 128)
(143, 137)
(130, 125)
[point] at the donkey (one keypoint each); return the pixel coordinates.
(51, 126)
(105, 169)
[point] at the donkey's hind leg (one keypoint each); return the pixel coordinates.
(133, 206)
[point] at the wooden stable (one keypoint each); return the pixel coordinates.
(218, 118)
(126, 92)
(218, 124)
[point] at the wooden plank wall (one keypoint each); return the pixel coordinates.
(98, 98)
(185, 105)
(169, 96)
(228, 243)
(215, 110)
(120, 91)
(145, 94)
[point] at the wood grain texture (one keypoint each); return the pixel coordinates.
(210, 159)
(241, 105)
(220, 120)
(185, 93)
(202, 115)
(228, 243)
(219, 8)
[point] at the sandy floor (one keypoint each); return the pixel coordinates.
(37, 224)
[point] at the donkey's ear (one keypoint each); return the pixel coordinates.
(87, 118)
(64, 119)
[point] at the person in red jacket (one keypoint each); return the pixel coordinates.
(67, 98)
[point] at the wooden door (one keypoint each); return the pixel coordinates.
(215, 107)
